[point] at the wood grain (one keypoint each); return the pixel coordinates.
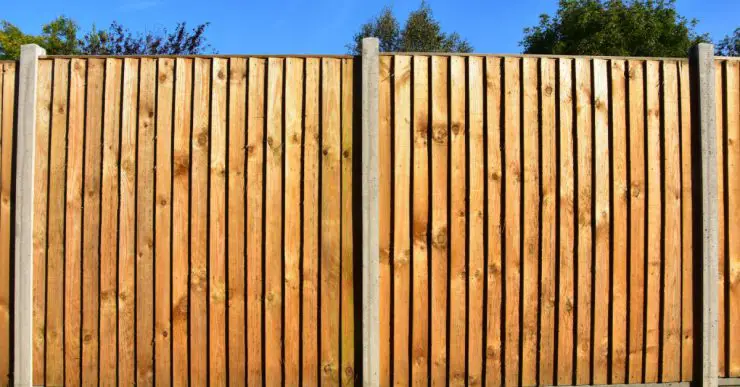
(200, 139)
(654, 228)
(181, 220)
(55, 256)
(40, 216)
(602, 275)
(512, 216)
(637, 220)
(311, 205)
(531, 221)
(494, 147)
(236, 214)
(293, 140)
(217, 226)
(163, 223)
(255, 216)
(91, 220)
(330, 270)
(439, 229)
(109, 219)
(144, 221)
(620, 231)
(457, 273)
(584, 190)
(476, 233)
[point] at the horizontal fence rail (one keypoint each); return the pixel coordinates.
(196, 219)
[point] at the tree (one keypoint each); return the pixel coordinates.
(60, 37)
(420, 33)
(118, 40)
(613, 27)
(730, 45)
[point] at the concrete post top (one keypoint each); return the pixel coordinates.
(370, 44)
(32, 49)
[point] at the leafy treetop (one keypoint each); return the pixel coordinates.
(61, 37)
(730, 45)
(613, 27)
(421, 33)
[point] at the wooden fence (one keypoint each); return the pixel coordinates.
(195, 217)
(728, 173)
(8, 82)
(194, 221)
(536, 220)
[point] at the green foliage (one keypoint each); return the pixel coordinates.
(60, 37)
(730, 45)
(613, 27)
(420, 33)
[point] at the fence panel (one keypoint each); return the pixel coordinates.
(586, 180)
(194, 219)
(169, 226)
(8, 82)
(727, 78)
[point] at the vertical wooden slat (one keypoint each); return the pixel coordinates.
(311, 205)
(476, 176)
(637, 220)
(255, 216)
(347, 366)
(549, 192)
(5, 292)
(109, 220)
(330, 221)
(584, 190)
(620, 232)
(687, 281)
(384, 217)
(567, 253)
(671, 329)
(494, 227)
(732, 91)
(420, 298)
(55, 256)
(654, 209)
(7, 114)
(127, 225)
(722, 227)
(236, 210)
(180, 220)
(512, 215)
(531, 222)
(601, 280)
(217, 226)
(457, 213)
(40, 214)
(144, 184)
(273, 223)
(91, 221)
(439, 167)
(162, 223)
(73, 222)
(293, 140)
(199, 223)
(401, 226)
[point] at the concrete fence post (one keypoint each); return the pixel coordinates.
(704, 153)
(25, 147)
(370, 249)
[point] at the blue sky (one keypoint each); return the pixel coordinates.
(325, 26)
